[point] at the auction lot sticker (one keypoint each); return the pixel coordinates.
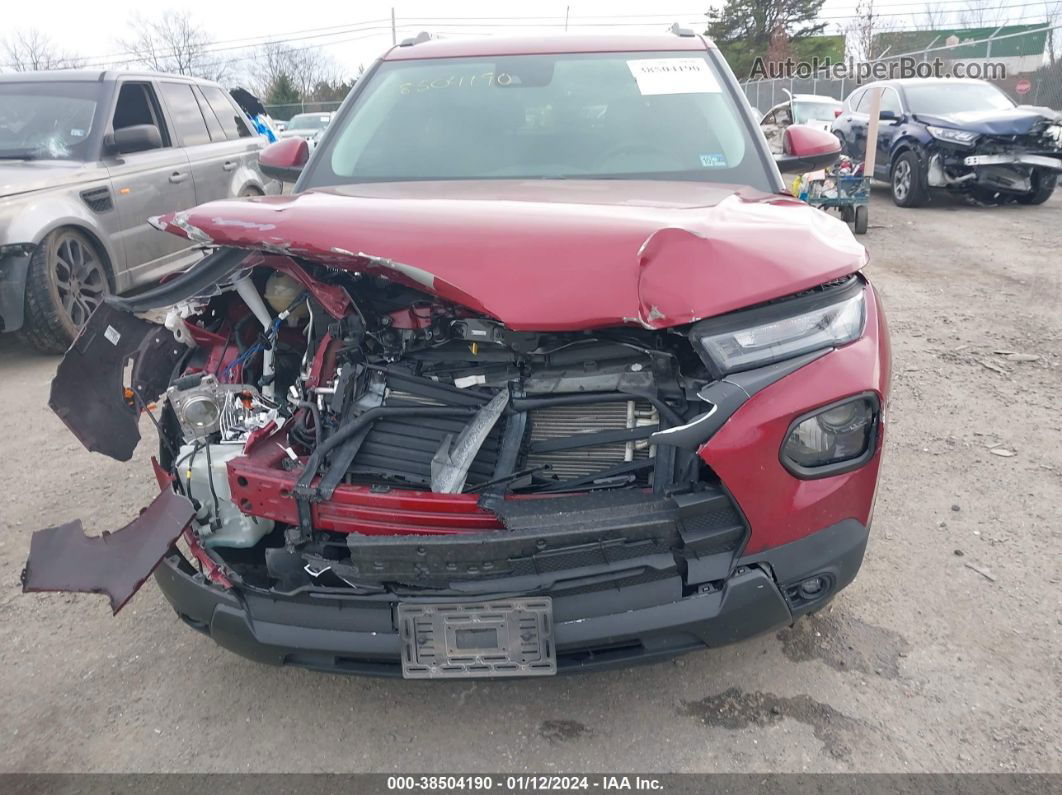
(673, 76)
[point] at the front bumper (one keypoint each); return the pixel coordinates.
(1015, 158)
(14, 268)
(612, 627)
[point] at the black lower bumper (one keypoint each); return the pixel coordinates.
(14, 268)
(611, 627)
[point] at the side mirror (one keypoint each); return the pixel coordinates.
(285, 159)
(888, 115)
(807, 149)
(135, 138)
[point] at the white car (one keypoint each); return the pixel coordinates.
(307, 125)
(809, 110)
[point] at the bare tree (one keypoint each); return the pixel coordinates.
(1052, 17)
(934, 16)
(306, 67)
(978, 14)
(862, 32)
(31, 50)
(173, 42)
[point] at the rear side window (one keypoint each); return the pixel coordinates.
(184, 110)
(227, 111)
(855, 98)
(212, 123)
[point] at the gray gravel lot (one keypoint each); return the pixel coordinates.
(944, 655)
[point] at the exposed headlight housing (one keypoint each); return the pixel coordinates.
(836, 438)
(948, 135)
(782, 330)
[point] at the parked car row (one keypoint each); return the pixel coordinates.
(961, 136)
(86, 158)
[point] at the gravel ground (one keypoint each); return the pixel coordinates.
(943, 655)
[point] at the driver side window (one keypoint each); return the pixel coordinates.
(137, 105)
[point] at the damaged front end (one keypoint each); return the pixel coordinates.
(993, 165)
(340, 442)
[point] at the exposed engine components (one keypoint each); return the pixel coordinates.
(205, 406)
(282, 293)
(204, 475)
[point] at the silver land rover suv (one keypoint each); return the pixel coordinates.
(86, 157)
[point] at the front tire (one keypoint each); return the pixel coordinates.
(1043, 182)
(66, 281)
(908, 181)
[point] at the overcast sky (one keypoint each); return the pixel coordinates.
(91, 29)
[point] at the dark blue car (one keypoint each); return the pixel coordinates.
(964, 136)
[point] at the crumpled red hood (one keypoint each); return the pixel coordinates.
(548, 255)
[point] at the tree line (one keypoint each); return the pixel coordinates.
(775, 30)
(175, 43)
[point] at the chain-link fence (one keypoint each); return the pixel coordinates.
(285, 112)
(1031, 61)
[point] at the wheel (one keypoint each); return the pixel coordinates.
(250, 190)
(66, 281)
(847, 213)
(862, 217)
(1043, 182)
(908, 181)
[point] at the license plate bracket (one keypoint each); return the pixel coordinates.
(508, 637)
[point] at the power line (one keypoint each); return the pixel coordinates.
(244, 43)
(339, 29)
(460, 26)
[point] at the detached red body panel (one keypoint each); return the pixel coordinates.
(560, 256)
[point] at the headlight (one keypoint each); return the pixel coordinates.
(832, 439)
(757, 337)
(948, 135)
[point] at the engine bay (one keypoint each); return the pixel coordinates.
(317, 410)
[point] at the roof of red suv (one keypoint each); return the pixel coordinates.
(556, 43)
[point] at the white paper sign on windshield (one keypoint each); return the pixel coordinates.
(673, 76)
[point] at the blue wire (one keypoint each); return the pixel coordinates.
(245, 357)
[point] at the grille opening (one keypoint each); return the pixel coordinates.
(399, 451)
(570, 422)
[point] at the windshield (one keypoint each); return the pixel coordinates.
(308, 121)
(612, 115)
(940, 99)
(47, 121)
(804, 112)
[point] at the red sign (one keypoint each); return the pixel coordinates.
(1023, 87)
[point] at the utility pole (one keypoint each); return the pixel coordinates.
(394, 36)
(567, 10)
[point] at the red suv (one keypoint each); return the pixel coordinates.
(539, 369)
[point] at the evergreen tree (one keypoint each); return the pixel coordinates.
(747, 29)
(282, 91)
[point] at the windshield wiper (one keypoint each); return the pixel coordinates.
(26, 156)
